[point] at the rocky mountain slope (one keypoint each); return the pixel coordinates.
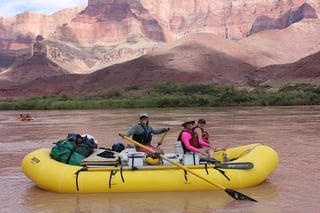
(123, 43)
(168, 64)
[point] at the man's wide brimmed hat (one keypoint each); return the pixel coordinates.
(188, 121)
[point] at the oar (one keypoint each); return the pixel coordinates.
(162, 138)
(235, 165)
(236, 195)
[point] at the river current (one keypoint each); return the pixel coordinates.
(293, 132)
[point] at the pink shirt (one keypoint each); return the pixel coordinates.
(185, 138)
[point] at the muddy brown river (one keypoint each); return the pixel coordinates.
(293, 132)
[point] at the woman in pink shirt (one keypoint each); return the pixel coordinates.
(191, 142)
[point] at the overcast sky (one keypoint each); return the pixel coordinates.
(9, 8)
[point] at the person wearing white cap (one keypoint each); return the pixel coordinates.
(142, 132)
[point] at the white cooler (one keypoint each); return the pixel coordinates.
(191, 159)
(136, 159)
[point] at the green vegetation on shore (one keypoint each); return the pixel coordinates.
(174, 95)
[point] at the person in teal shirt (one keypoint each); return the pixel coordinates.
(142, 132)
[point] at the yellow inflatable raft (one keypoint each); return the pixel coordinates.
(250, 165)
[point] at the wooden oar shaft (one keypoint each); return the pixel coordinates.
(162, 138)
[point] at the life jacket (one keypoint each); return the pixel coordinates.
(205, 134)
(193, 140)
(144, 138)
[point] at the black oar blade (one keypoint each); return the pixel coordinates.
(238, 196)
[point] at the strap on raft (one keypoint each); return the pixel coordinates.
(112, 173)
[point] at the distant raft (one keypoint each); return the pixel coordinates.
(25, 119)
(128, 171)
